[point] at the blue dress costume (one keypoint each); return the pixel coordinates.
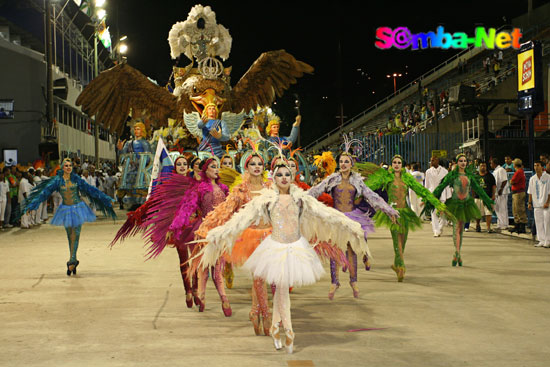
(136, 146)
(73, 212)
(209, 143)
(286, 140)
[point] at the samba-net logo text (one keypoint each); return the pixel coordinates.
(402, 38)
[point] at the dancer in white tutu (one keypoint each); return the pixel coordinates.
(286, 257)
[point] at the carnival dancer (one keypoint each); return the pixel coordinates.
(461, 204)
(253, 180)
(434, 175)
(213, 130)
(285, 258)
(344, 186)
(73, 212)
(397, 182)
(147, 215)
(195, 204)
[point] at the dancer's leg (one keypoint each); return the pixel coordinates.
(73, 236)
(458, 229)
(334, 281)
(260, 291)
(183, 254)
(281, 301)
(202, 277)
(352, 259)
(217, 277)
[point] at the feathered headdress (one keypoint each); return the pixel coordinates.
(347, 144)
(326, 161)
(255, 152)
(278, 146)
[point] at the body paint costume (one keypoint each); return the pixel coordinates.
(73, 212)
(397, 188)
(461, 204)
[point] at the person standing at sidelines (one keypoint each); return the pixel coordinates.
(488, 184)
(413, 197)
(434, 175)
(501, 199)
(539, 202)
(518, 198)
(4, 198)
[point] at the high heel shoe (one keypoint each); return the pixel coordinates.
(71, 267)
(196, 298)
(455, 259)
(366, 261)
(254, 316)
(400, 273)
(332, 290)
(275, 334)
(289, 344)
(266, 321)
(189, 300)
(355, 289)
(226, 307)
(202, 303)
(459, 260)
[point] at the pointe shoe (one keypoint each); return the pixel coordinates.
(289, 344)
(189, 300)
(400, 273)
(366, 261)
(266, 321)
(226, 307)
(202, 303)
(254, 317)
(196, 298)
(275, 334)
(355, 289)
(332, 290)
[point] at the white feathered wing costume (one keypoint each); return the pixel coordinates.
(317, 223)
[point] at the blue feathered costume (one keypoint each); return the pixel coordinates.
(73, 212)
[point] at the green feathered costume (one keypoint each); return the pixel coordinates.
(461, 204)
(379, 178)
(463, 208)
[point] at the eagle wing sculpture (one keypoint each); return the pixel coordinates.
(268, 77)
(116, 91)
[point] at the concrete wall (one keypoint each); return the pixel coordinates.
(22, 76)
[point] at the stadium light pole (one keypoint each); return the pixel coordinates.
(394, 76)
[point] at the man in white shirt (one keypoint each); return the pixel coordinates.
(539, 200)
(4, 190)
(501, 198)
(25, 188)
(434, 175)
(414, 199)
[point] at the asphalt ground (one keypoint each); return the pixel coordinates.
(120, 310)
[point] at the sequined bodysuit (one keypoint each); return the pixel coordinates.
(285, 218)
(343, 195)
(69, 193)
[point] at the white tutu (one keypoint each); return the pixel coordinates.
(292, 264)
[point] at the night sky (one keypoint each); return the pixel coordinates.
(311, 31)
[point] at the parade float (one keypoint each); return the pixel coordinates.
(201, 111)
